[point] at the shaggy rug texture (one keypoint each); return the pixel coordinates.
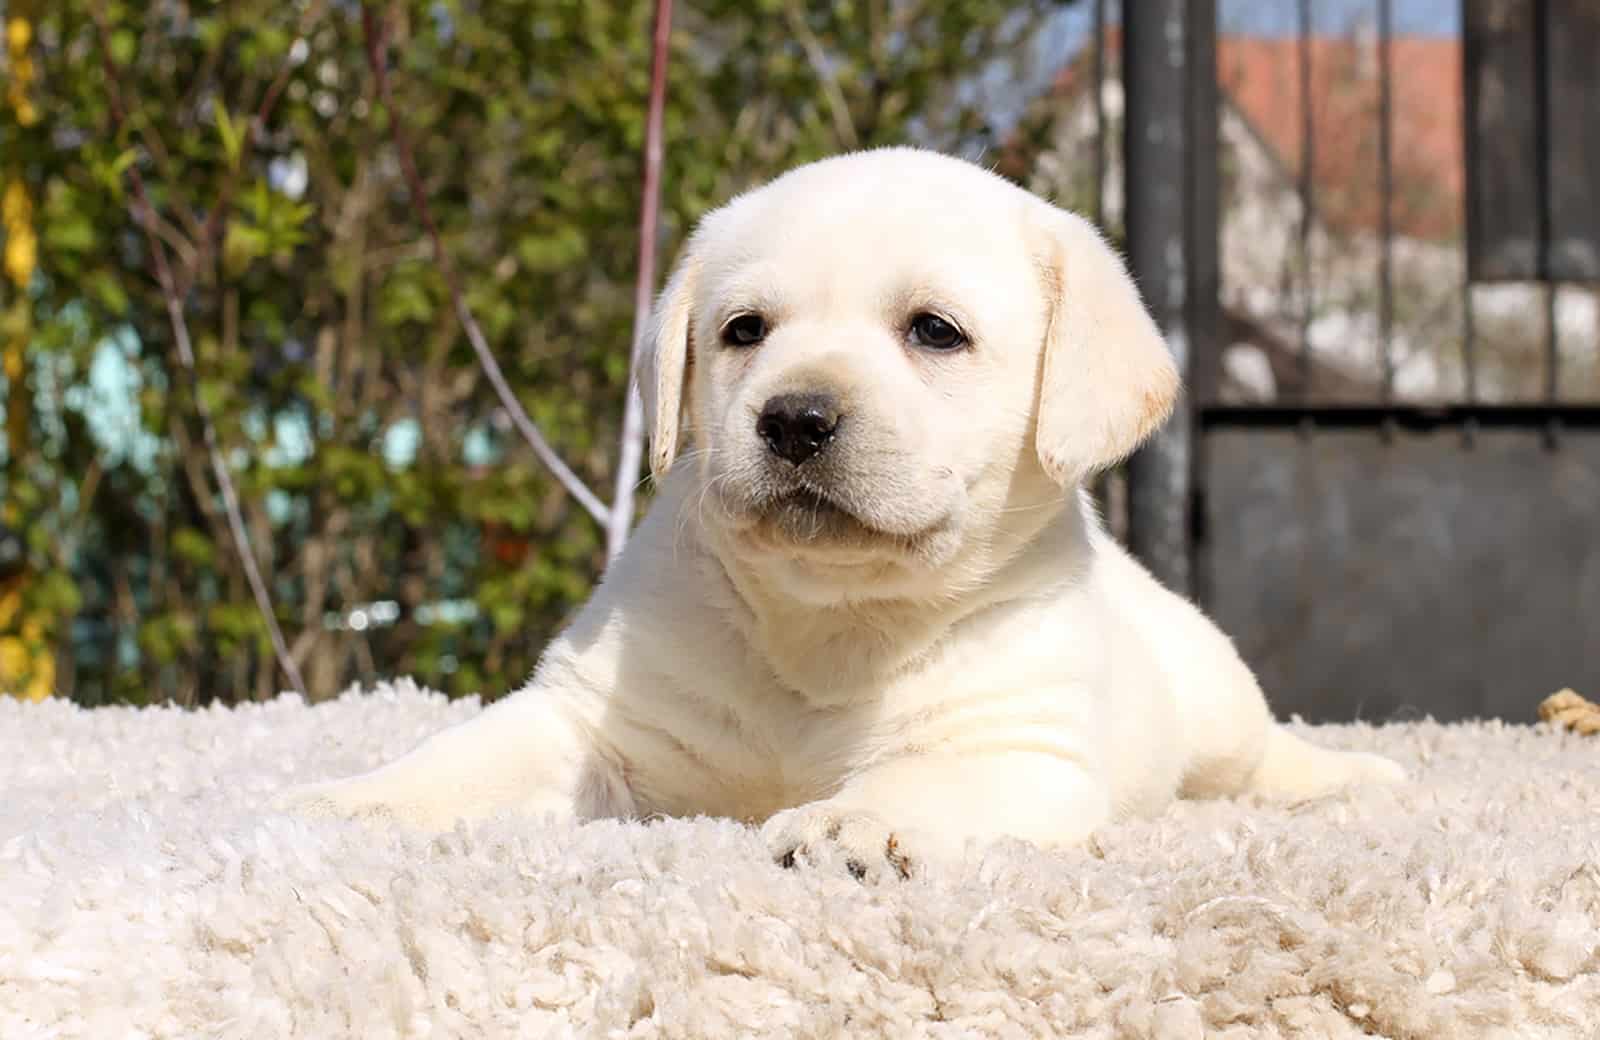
(146, 892)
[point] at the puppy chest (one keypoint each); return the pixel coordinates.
(726, 762)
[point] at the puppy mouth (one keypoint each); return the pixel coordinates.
(807, 514)
(807, 498)
(799, 515)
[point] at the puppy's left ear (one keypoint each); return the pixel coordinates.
(1107, 380)
(664, 366)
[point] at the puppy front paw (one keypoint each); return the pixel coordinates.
(832, 836)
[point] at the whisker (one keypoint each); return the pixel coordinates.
(1030, 508)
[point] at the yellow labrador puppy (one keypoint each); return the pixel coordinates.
(870, 605)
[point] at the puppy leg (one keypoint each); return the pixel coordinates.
(889, 820)
(1256, 754)
(1295, 770)
(1231, 742)
(525, 753)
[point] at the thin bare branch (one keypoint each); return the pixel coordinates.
(632, 447)
(838, 107)
(145, 214)
(377, 47)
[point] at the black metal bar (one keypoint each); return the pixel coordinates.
(1502, 97)
(1572, 83)
(1308, 156)
(1202, 203)
(1469, 336)
(1155, 77)
(1470, 61)
(1541, 159)
(1405, 417)
(1202, 261)
(1552, 339)
(1100, 488)
(1099, 113)
(1386, 199)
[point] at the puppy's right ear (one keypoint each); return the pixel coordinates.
(664, 366)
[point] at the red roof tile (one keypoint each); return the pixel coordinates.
(1260, 78)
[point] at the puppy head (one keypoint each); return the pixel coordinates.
(891, 361)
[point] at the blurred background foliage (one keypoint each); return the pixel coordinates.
(403, 526)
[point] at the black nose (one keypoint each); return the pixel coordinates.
(798, 426)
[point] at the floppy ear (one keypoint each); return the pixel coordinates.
(1107, 380)
(664, 366)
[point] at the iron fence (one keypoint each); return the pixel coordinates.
(1371, 233)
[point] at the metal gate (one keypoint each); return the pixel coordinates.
(1381, 266)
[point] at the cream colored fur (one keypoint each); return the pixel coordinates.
(950, 648)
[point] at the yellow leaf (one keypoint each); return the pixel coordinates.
(22, 255)
(15, 206)
(18, 34)
(23, 672)
(22, 245)
(22, 675)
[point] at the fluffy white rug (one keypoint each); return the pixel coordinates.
(145, 893)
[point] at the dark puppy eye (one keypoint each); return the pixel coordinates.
(746, 330)
(935, 333)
